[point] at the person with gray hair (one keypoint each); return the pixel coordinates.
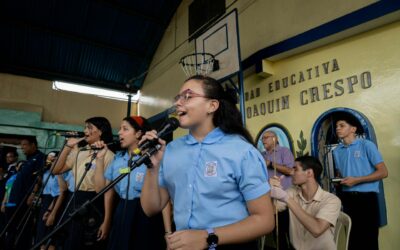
(279, 158)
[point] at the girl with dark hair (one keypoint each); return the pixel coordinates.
(82, 231)
(214, 176)
(131, 228)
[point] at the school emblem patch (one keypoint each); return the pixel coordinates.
(357, 154)
(211, 169)
(139, 177)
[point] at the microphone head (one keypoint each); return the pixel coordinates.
(114, 143)
(168, 126)
(173, 123)
(171, 110)
(74, 134)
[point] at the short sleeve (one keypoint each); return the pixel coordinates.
(373, 154)
(288, 159)
(329, 210)
(161, 180)
(108, 173)
(253, 179)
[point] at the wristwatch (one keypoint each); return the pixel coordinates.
(212, 239)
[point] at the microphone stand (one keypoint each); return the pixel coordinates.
(144, 159)
(36, 204)
(275, 201)
(87, 168)
(20, 205)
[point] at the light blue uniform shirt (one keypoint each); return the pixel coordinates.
(209, 182)
(136, 176)
(69, 178)
(358, 159)
(51, 187)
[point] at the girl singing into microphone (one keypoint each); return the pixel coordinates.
(83, 162)
(131, 228)
(215, 177)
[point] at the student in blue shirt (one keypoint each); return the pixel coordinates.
(131, 228)
(46, 197)
(54, 211)
(361, 166)
(215, 177)
(66, 183)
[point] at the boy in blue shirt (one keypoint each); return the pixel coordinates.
(361, 166)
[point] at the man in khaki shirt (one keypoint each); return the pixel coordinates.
(313, 212)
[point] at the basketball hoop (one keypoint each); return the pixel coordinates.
(198, 64)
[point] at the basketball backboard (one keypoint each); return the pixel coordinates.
(222, 41)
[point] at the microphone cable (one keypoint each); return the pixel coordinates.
(126, 193)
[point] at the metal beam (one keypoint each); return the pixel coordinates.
(54, 75)
(40, 28)
(131, 12)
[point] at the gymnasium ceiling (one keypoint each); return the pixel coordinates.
(105, 43)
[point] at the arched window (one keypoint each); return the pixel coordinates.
(284, 138)
(324, 140)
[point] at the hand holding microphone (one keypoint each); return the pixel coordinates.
(99, 145)
(154, 138)
(72, 142)
(101, 149)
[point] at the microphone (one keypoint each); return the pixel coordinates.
(74, 134)
(169, 126)
(110, 144)
(171, 110)
(41, 171)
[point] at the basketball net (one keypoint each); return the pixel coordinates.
(197, 64)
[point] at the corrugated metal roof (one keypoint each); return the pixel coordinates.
(97, 42)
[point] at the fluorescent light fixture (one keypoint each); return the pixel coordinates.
(100, 92)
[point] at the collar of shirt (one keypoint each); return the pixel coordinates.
(317, 196)
(12, 165)
(28, 157)
(355, 142)
(212, 137)
(125, 156)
